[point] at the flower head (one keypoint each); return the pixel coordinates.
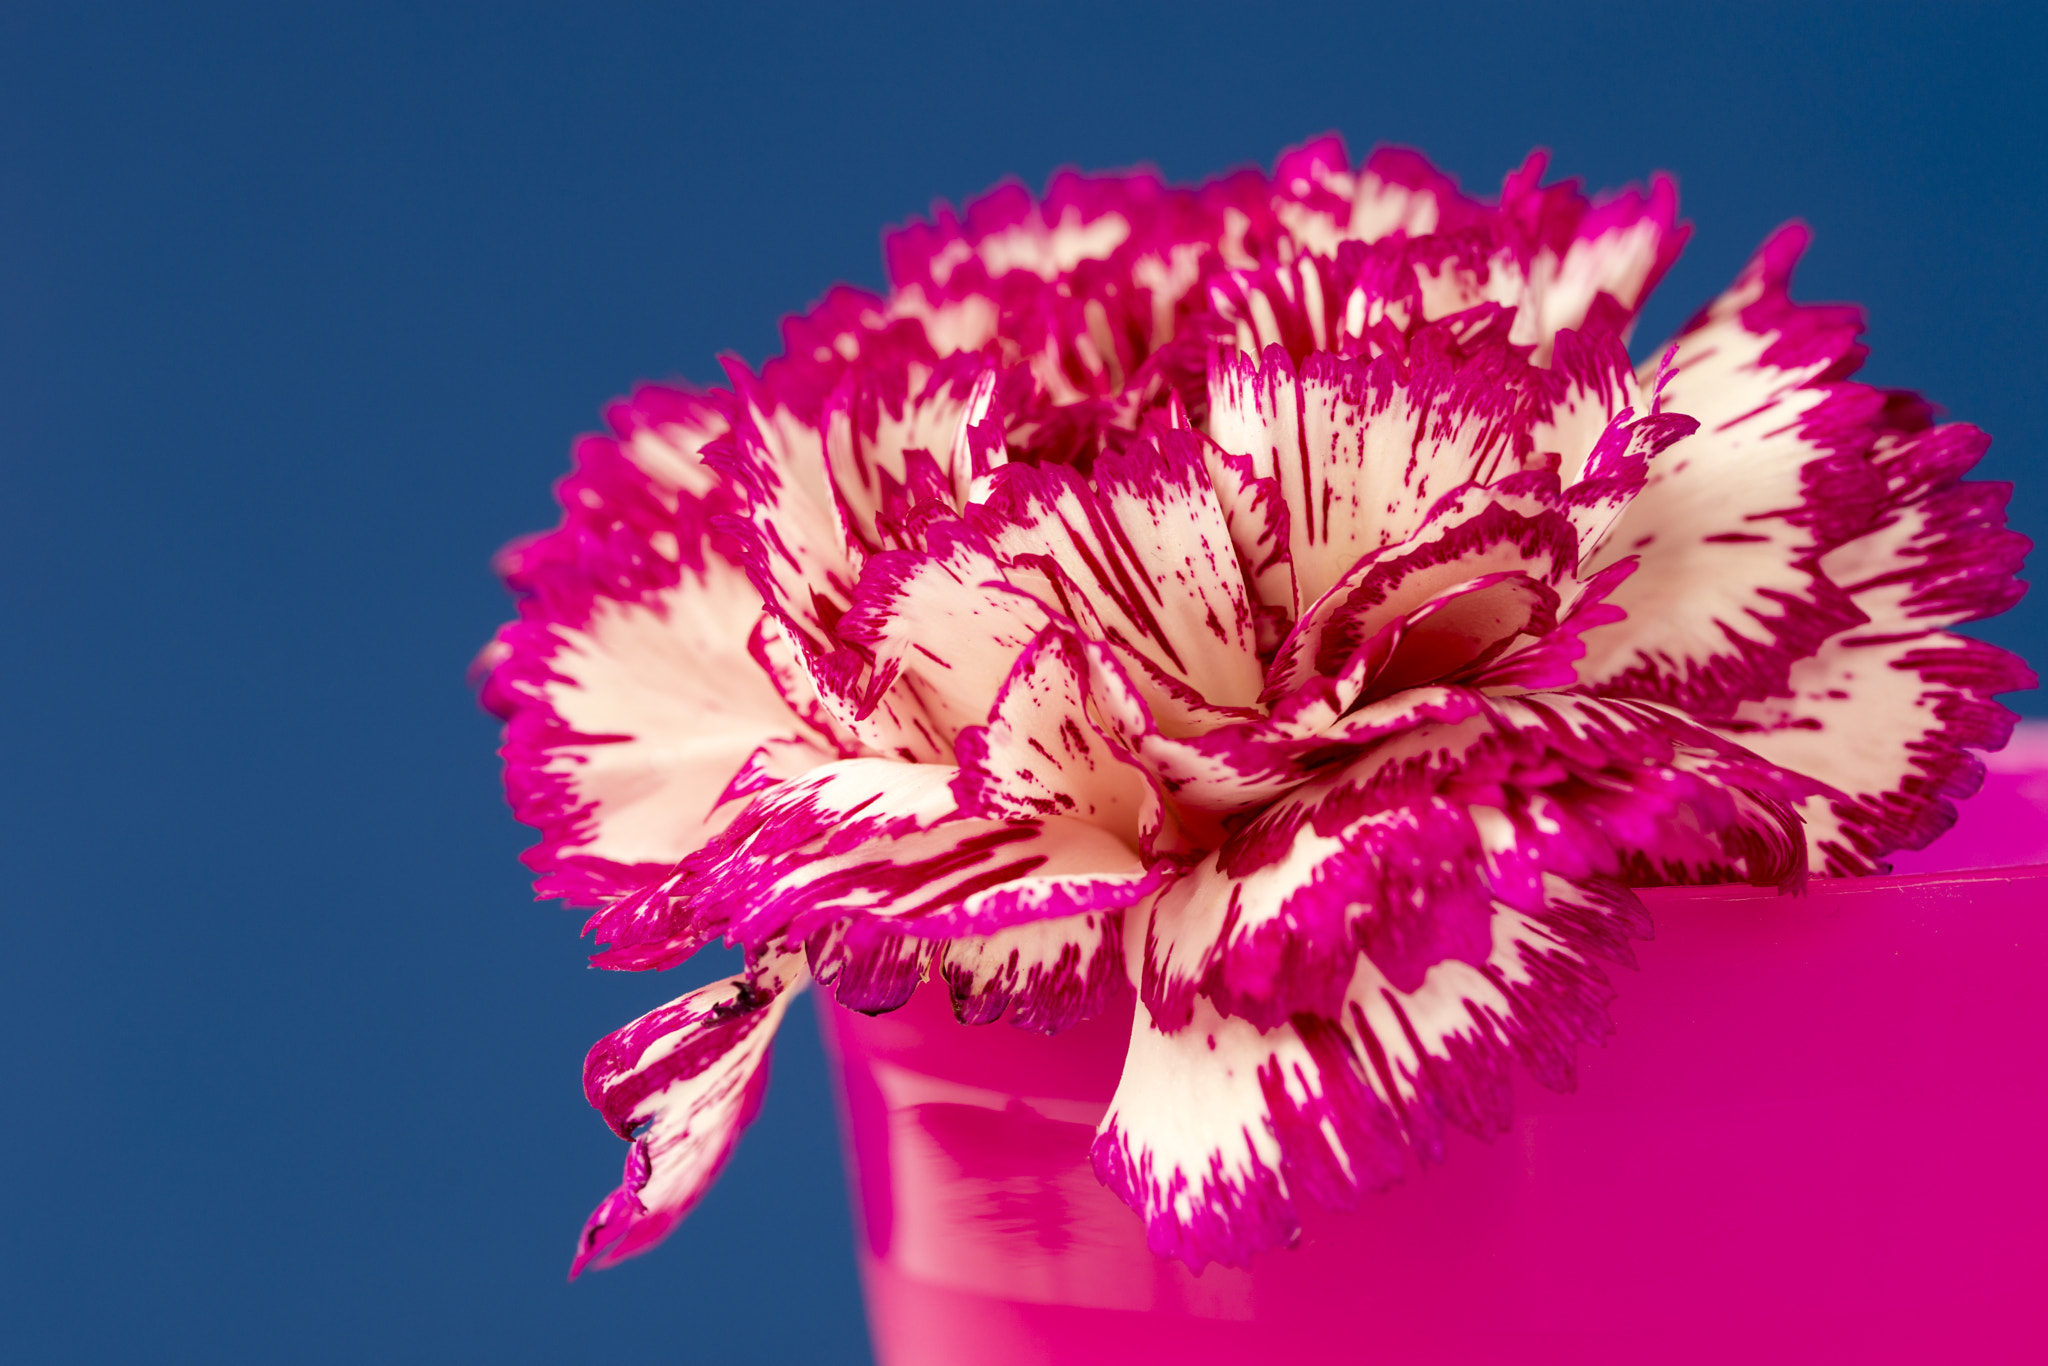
(1282, 599)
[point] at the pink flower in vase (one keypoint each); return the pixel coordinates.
(1282, 599)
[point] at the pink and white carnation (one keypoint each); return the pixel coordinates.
(1282, 600)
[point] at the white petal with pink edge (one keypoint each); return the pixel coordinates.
(1887, 712)
(1043, 754)
(660, 704)
(1726, 595)
(1046, 974)
(1361, 449)
(681, 1083)
(1146, 547)
(1218, 1129)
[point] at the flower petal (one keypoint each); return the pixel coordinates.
(631, 689)
(1147, 548)
(1041, 754)
(786, 524)
(1361, 449)
(1404, 852)
(1477, 535)
(892, 432)
(1236, 761)
(1885, 713)
(1048, 974)
(1618, 249)
(834, 809)
(1255, 515)
(868, 840)
(1218, 1129)
(681, 1083)
(940, 630)
(648, 714)
(1731, 520)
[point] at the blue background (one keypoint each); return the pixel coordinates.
(298, 315)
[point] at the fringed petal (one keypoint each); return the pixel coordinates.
(1361, 450)
(1404, 852)
(1729, 528)
(1048, 975)
(893, 430)
(1043, 754)
(1218, 1128)
(631, 689)
(1145, 545)
(1887, 713)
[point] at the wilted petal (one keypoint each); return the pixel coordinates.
(1189, 1144)
(681, 1083)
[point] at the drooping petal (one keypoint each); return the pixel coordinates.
(1047, 974)
(868, 841)
(986, 888)
(680, 1084)
(835, 808)
(1218, 1128)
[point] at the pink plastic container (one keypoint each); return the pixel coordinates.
(1819, 1133)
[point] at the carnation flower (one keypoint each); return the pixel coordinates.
(1282, 600)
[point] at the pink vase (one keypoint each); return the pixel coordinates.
(1819, 1134)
